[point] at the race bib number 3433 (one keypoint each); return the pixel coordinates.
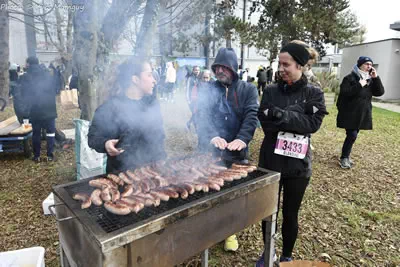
(292, 145)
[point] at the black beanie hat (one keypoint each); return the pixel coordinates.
(32, 60)
(361, 60)
(299, 53)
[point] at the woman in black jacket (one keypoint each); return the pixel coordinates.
(290, 111)
(128, 126)
(354, 104)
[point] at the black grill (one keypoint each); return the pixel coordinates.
(110, 222)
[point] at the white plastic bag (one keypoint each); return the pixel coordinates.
(89, 163)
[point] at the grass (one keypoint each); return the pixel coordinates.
(351, 215)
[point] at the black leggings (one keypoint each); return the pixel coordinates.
(293, 192)
(351, 136)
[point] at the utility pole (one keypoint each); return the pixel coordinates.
(242, 45)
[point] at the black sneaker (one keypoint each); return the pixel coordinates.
(345, 163)
(50, 158)
(36, 159)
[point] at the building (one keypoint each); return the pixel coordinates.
(329, 63)
(386, 57)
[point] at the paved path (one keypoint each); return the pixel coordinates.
(388, 106)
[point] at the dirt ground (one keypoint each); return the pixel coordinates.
(348, 217)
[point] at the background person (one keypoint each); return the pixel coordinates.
(128, 126)
(262, 79)
(354, 104)
(290, 111)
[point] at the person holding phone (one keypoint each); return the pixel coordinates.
(354, 104)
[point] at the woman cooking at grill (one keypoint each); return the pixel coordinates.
(290, 111)
(128, 126)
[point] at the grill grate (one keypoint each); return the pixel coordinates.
(110, 222)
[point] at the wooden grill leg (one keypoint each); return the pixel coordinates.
(269, 247)
(204, 258)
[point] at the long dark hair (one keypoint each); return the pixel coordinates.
(125, 71)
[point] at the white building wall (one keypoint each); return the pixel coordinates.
(17, 41)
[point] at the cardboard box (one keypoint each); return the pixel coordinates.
(46, 203)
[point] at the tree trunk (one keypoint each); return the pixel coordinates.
(143, 40)
(207, 43)
(85, 33)
(29, 27)
(4, 50)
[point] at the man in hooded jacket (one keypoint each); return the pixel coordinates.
(227, 115)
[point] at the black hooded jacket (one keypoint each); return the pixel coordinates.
(39, 94)
(295, 101)
(242, 97)
(137, 124)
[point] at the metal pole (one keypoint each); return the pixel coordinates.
(269, 247)
(242, 45)
(204, 258)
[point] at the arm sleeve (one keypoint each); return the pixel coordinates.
(249, 124)
(294, 119)
(377, 87)
(102, 128)
(349, 87)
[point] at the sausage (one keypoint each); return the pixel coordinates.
(214, 186)
(115, 179)
(188, 187)
(215, 180)
(146, 201)
(104, 181)
(248, 168)
(84, 198)
(217, 167)
(151, 183)
(97, 184)
(96, 199)
(132, 176)
(196, 172)
(122, 176)
(117, 208)
(132, 204)
(106, 195)
(213, 171)
(115, 195)
(238, 172)
(197, 186)
(128, 190)
(182, 191)
(152, 172)
(156, 200)
(159, 181)
(145, 186)
(169, 192)
(160, 195)
(229, 177)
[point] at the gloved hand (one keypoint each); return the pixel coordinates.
(274, 113)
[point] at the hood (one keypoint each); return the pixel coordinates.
(363, 75)
(227, 57)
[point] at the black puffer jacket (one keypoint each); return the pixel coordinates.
(242, 97)
(295, 101)
(38, 94)
(354, 102)
(137, 124)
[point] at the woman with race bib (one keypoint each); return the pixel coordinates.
(290, 111)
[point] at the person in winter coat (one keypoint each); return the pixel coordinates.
(290, 111)
(39, 96)
(129, 126)
(170, 80)
(354, 104)
(227, 116)
(270, 73)
(262, 79)
(192, 91)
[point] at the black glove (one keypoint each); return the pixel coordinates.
(274, 113)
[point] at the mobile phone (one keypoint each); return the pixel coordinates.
(371, 70)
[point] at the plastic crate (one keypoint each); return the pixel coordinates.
(27, 257)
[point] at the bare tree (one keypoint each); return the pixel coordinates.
(4, 49)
